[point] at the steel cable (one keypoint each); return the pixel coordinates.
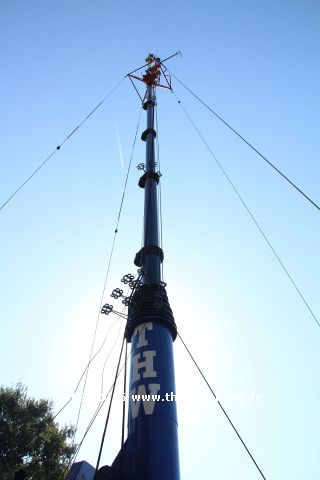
(224, 412)
(249, 144)
(251, 215)
(61, 144)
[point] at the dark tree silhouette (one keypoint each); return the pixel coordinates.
(30, 440)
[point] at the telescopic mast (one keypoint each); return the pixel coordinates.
(152, 424)
(150, 451)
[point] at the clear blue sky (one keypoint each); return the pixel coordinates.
(257, 64)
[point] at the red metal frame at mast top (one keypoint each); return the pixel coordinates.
(155, 68)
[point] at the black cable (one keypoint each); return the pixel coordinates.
(123, 366)
(94, 356)
(159, 189)
(100, 405)
(99, 350)
(85, 369)
(123, 408)
(62, 408)
(147, 64)
(249, 144)
(129, 168)
(124, 394)
(71, 461)
(61, 144)
(108, 356)
(110, 404)
(95, 332)
(108, 269)
(148, 194)
(251, 214)
(218, 402)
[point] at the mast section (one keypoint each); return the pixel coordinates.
(151, 329)
(151, 179)
(151, 449)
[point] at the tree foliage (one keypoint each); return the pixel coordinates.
(29, 437)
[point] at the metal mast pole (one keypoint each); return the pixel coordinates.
(152, 443)
(151, 449)
(149, 182)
